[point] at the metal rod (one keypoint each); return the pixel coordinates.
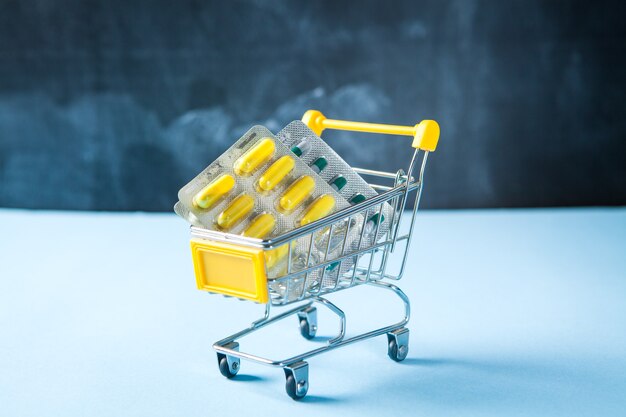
(289, 271)
(381, 187)
(266, 316)
(342, 318)
(406, 193)
(418, 196)
(374, 173)
(358, 247)
(330, 236)
(369, 269)
(399, 179)
(345, 236)
(287, 291)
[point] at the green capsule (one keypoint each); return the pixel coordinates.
(338, 183)
(301, 148)
(374, 218)
(357, 198)
(319, 164)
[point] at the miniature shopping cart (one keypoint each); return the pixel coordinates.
(233, 265)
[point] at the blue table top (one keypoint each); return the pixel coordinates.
(514, 312)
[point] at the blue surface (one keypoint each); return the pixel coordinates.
(514, 313)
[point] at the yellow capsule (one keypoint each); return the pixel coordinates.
(276, 173)
(236, 211)
(321, 207)
(273, 256)
(261, 226)
(254, 157)
(214, 191)
(296, 193)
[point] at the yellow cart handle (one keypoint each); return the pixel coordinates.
(425, 134)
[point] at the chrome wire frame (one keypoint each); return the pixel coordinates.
(224, 346)
(393, 242)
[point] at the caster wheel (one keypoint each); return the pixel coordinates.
(292, 388)
(398, 346)
(308, 322)
(306, 330)
(226, 369)
(297, 380)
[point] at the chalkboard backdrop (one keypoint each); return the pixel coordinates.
(114, 105)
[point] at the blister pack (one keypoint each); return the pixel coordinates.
(258, 188)
(346, 236)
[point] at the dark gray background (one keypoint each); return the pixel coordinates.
(115, 105)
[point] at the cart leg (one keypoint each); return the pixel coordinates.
(398, 344)
(297, 379)
(308, 322)
(229, 365)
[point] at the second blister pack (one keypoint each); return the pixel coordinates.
(359, 231)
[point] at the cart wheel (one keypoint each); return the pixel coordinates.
(308, 322)
(297, 380)
(398, 344)
(229, 366)
(306, 330)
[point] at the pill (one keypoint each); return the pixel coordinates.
(301, 148)
(254, 157)
(357, 198)
(236, 211)
(370, 226)
(214, 191)
(276, 173)
(332, 266)
(319, 164)
(261, 226)
(338, 183)
(296, 193)
(375, 218)
(321, 207)
(273, 256)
